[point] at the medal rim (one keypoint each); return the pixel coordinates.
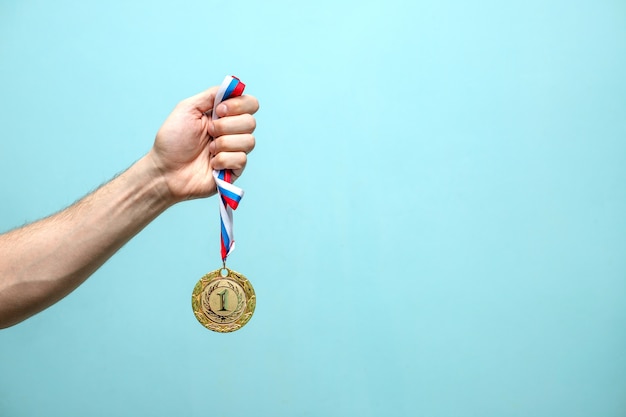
(208, 279)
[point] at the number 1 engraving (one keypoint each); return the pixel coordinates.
(223, 300)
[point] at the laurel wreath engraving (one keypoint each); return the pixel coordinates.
(241, 304)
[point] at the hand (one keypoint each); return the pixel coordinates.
(183, 150)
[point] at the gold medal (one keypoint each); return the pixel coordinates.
(223, 300)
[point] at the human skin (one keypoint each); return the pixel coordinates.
(43, 262)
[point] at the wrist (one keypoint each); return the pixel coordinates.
(154, 180)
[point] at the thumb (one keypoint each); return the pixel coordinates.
(203, 101)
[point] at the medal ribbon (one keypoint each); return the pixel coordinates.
(229, 194)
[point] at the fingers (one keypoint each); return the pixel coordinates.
(232, 143)
(230, 160)
(232, 125)
(238, 105)
(232, 107)
(232, 131)
(202, 101)
(230, 152)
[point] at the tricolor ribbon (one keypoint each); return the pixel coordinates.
(229, 194)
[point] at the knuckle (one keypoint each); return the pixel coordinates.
(240, 161)
(250, 122)
(219, 161)
(229, 160)
(233, 106)
(254, 104)
(218, 129)
(251, 143)
(218, 144)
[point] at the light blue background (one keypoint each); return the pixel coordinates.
(434, 219)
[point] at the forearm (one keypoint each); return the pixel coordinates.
(43, 262)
